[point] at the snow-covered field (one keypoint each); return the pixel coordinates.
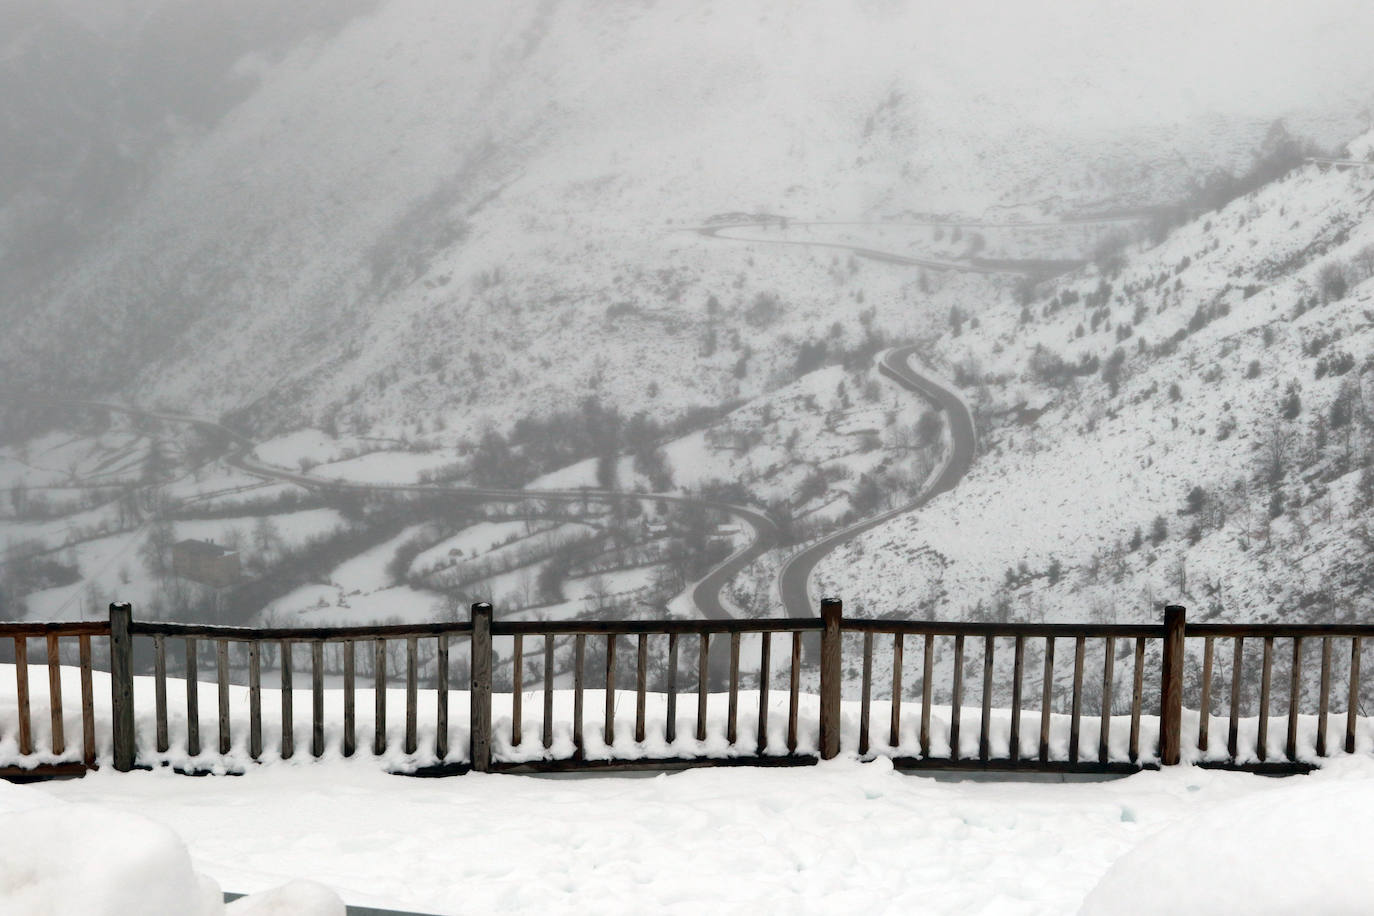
(841, 837)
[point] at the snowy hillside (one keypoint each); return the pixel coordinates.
(1193, 427)
(429, 212)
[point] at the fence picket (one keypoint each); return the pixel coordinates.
(1204, 719)
(87, 702)
(255, 701)
(192, 699)
(316, 698)
(1325, 700)
(1105, 725)
(793, 686)
(21, 688)
(548, 691)
(866, 692)
(579, 654)
(1077, 707)
(1137, 691)
(517, 690)
(1046, 696)
(895, 731)
(441, 701)
(1294, 696)
(379, 697)
(1262, 737)
(222, 676)
(731, 731)
(608, 731)
(927, 664)
(59, 741)
(670, 726)
(641, 685)
(956, 702)
(412, 698)
(350, 735)
(985, 721)
(160, 691)
(765, 648)
(288, 699)
(703, 663)
(1353, 704)
(1017, 663)
(1233, 726)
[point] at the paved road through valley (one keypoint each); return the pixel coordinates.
(795, 575)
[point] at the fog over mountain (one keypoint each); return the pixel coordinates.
(669, 248)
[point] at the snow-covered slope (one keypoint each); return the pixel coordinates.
(1197, 428)
(467, 211)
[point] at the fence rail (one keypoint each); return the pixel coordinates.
(1031, 694)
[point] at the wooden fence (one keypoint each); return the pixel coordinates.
(700, 661)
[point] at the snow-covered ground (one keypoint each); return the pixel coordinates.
(839, 837)
(60, 858)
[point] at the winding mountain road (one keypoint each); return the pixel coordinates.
(795, 575)
(1340, 163)
(1030, 267)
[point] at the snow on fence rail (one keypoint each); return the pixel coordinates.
(153, 718)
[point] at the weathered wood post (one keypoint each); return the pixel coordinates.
(122, 686)
(479, 699)
(832, 611)
(1171, 687)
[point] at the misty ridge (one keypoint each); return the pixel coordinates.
(349, 312)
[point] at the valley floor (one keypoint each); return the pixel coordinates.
(844, 837)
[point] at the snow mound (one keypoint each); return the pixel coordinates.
(80, 859)
(1303, 849)
(58, 859)
(291, 899)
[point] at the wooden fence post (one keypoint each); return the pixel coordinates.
(479, 699)
(1171, 687)
(832, 610)
(122, 686)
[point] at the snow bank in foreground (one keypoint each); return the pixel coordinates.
(1302, 848)
(839, 837)
(81, 859)
(58, 859)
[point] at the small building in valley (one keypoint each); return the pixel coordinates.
(206, 562)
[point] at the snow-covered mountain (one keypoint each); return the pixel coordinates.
(1196, 425)
(413, 210)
